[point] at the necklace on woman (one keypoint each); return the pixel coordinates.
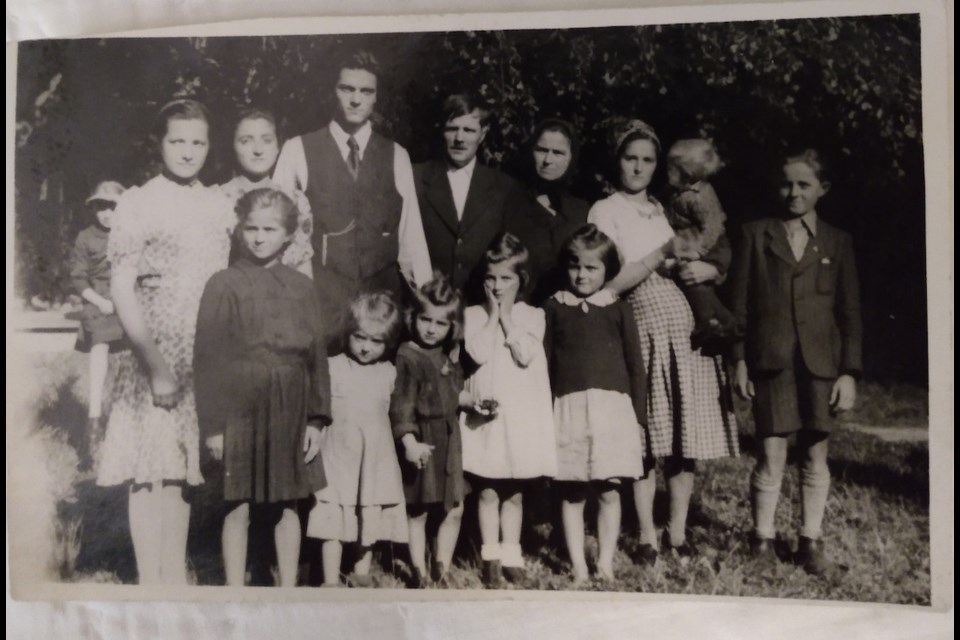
(646, 208)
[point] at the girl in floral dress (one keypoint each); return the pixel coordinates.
(168, 238)
(257, 146)
(690, 406)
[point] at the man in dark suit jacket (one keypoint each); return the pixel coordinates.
(796, 295)
(461, 201)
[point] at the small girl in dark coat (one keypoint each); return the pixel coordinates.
(599, 388)
(100, 331)
(262, 384)
(697, 217)
(423, 411)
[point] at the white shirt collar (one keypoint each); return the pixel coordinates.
(340, 136)
(465, 170)
(601, 298)
(808, 220)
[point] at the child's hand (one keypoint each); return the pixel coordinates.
(742, 382)
(486, 408)
(698, 272)
(215, 445)
(417, 453)
(506, 306)
(311, 443)
(165, 388)
(493, 305)
(844, 394)
(106, 307)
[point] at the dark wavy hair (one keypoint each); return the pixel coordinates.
(462, 104)
(590, 238)
(256, 113)
(182, 109)
(813, 159)
(438, 293)
(507, 247)
(359, 59)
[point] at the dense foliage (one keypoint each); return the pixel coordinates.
(848, 85)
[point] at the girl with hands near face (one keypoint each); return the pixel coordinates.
(423, 412)
(508, 435)
(798, 367)
(262, 381)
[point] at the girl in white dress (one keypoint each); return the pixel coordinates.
(509, 436)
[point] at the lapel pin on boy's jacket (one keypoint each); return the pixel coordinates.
(825, 260)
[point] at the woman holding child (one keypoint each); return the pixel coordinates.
(689, 404)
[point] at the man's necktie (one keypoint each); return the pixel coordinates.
(353, 159)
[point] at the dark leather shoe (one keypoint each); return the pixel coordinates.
(438, 572)
(515, 575)
(490, 574)
(645, 555)
(417, 580)
(810, 556)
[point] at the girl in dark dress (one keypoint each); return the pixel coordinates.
(262, 383)
(423, 412)
(599, 388)
(544, 215)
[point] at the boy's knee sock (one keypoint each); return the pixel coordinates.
(765, 493)
(815, 487)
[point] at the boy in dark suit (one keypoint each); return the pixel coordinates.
(795, 294)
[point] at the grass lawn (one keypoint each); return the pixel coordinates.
(876, 526)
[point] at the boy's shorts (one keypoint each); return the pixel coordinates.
(791, 400)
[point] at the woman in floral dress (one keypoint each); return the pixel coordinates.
(169, 237)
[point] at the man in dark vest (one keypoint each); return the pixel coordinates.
(461, 201)
(367, 232)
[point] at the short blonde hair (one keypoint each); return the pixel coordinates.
(379, 311)
(696, 158)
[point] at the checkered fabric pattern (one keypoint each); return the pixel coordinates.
(689, 402)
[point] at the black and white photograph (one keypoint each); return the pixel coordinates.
(635, 308)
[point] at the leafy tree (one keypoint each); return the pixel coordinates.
(850, 86)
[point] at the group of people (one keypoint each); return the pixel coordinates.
(338, 326)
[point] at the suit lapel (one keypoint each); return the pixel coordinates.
(819, 247)
(475, 207)
(437, 192)
(778, 244)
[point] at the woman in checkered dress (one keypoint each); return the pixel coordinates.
(689, 401)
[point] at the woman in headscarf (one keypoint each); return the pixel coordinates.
(545, 214)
